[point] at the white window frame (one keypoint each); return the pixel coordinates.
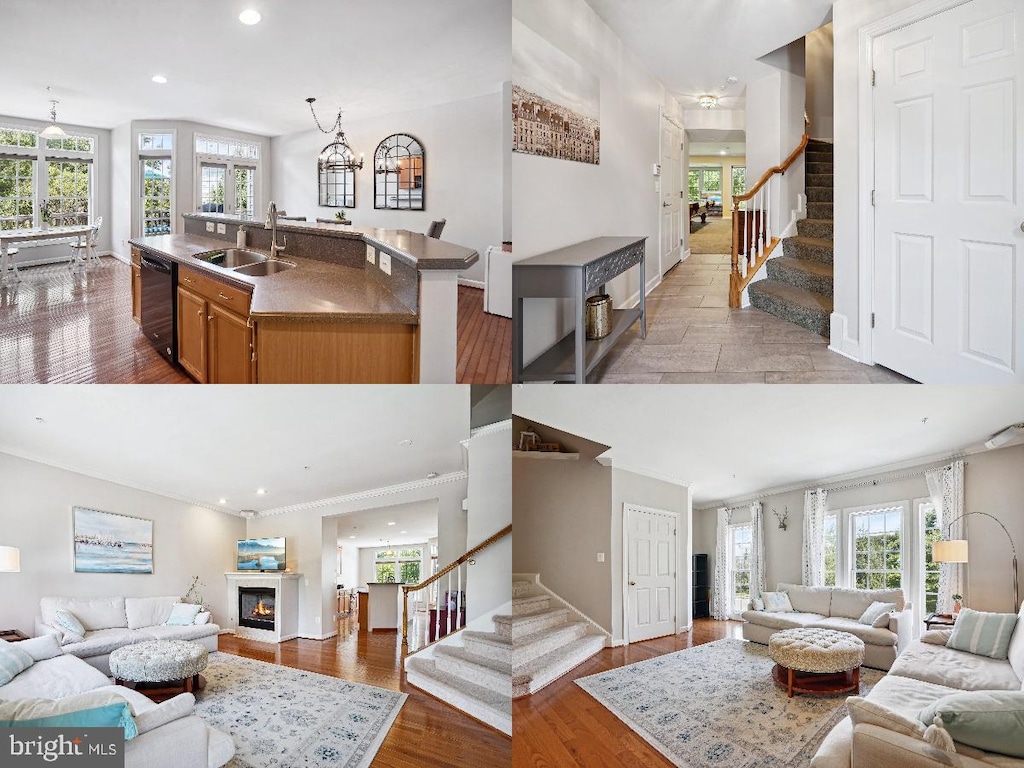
(734, 528)
(835, 518)
(397, 560)
(921, 508)
(230, 165)
(156, 154)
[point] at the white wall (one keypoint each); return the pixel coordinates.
(556, 202)
(489, 581)
(820, 75)
(36, 517)
(464, 172)
(121, 190)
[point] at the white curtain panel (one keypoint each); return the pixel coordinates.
(813, 555)
(757, 579)
(721, 600)
(946, 489)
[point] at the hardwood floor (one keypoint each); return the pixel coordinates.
(426, 734)
(564, 726)
(485, 342)
(64, 327)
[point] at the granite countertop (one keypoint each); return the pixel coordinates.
(314, 290)
(413, 248)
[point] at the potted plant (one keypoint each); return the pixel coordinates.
(340, 216)
(957, 603)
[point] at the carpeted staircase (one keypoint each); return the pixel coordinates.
(546, 638)
(798, 284)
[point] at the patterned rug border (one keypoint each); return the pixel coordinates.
(807, 750)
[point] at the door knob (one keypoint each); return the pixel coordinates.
(632, 583)
(669, 205)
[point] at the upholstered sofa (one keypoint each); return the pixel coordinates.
(924, 673)
(112, 622)
(835, 608)
(171, 738)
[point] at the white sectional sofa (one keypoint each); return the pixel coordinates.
(835, 608)
(924, 673)
(112, 622)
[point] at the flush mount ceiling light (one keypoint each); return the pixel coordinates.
(159, 79)
(261, 491)
(52, 131)
(351, 537)
(223, 501)
(707, 101)
(732, 80)
(249, 17)
(391, 523)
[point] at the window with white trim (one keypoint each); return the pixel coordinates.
(831, 532)
(929, 576)
(226, 175)
(398, 564)
(877, 537)
(68, 191)
(212, 145)
(156, 182)
(740, 549)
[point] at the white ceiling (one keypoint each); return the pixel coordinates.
(693, 47)
(414, 523)
(732, 441)
(370, 57)
(201, 444)
(717, 148)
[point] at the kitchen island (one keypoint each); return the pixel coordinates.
(359, 305)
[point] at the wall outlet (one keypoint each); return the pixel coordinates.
(222, 229)
(371, 254)
(316, 620)
(385, 263)
(209, 226)
(600, 557)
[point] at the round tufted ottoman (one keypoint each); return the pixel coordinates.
(160, 668)
(816, 660)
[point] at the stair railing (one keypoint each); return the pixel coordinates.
(752, 237)
(448, 614)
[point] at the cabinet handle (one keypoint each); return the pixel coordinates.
(199, 312)
(210, 318)
(226, 298)
(188, 279)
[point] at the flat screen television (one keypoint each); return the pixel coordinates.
(267, 554)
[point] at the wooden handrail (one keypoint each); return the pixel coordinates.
(467, 557)
(737, 199)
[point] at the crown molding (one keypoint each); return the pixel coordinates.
(373, 493)
(610, 461)
(490, 429)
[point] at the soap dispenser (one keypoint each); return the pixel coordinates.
(240, 238)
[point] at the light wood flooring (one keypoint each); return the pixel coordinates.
(563, 726)
(694, 338)
(63, 327)
(426, 734)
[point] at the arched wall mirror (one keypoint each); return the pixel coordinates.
(336, 175)
(399, 166)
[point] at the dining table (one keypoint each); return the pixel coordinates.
(9, 237)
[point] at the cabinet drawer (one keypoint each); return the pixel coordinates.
(136, 256)
(229, 296)
(612, 265)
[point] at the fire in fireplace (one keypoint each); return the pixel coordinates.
(256, 607)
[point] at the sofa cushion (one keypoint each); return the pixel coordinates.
(906, 695)
(956, 669)
(170, 632)
(877, 614)
(94, 612)
(1015, 653)
(41, 648)
(203, 617)
(989, 720)
(86, 710)
(986, 634)
(776, 602)
(780, 620)
(147, 611)
(808, 599)
(870, 635)
(54, 678)
(936, 636)
(67, 622)
(866, 711)
(13, 661)
(852, 603)
(102, 641)
(165, 712)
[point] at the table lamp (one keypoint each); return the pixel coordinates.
(955, 550)
(10, 560)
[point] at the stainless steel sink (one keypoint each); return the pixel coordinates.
(230, 258)
(268, 267)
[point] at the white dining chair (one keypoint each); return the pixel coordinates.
(83, 247)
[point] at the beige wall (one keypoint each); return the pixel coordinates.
(36, 517)
(726, 164)
(820, 74)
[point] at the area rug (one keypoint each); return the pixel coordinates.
(713, 237)
(282, 717)
(716, 705)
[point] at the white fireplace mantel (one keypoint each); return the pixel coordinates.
(286, 602)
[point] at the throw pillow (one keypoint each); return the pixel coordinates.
(876, 611)
(203, 617)
(864, 711)
(165, 712)
(13, 661)
(983, 634)
(776, 602)
(988, 720)
(183, 614)
(87, 710)
(758, 604)
(42, 648)
(936, 636)
(67, 622)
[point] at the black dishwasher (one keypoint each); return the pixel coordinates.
(159, 309)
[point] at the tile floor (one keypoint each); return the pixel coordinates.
(694, 338)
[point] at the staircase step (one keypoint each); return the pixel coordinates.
(818, 156)
(521, 588)
(822, 229)
(818, 167)
(479, 670)
(548, 668)
(814, 143)
(531, 647)
(819, 194)
(819, 180)
(808, 248)
(489, 645)
(485, 705)
(819, 210)
(521, 626)
(797, 305)
(522, 606)
(812, 275)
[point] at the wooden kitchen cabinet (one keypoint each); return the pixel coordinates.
(192, 333)
(137, 285)
(231, 347)
(215, 342)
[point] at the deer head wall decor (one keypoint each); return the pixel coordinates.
(782, 518)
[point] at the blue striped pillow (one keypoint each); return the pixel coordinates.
(95, 709)
(983, 634)
(13, 661)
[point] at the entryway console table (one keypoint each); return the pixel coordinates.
(575, 272)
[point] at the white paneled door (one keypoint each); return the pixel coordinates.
(651, 569)
(671, 201)
(949, 183)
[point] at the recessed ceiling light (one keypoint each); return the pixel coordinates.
(261, 491)
(249, 17)
(405, 442)
(391, 523)
(159, 79)
(403, 531)
(723, 152)
(223, 501)
(351, 537)
(732, 80)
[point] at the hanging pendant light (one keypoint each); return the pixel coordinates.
(52, 131)
(339, 154)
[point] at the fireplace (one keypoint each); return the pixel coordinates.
(256, 607)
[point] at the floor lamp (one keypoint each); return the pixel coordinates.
(955, 550)
(10, 560)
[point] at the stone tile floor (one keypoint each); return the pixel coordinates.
(694, 338)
